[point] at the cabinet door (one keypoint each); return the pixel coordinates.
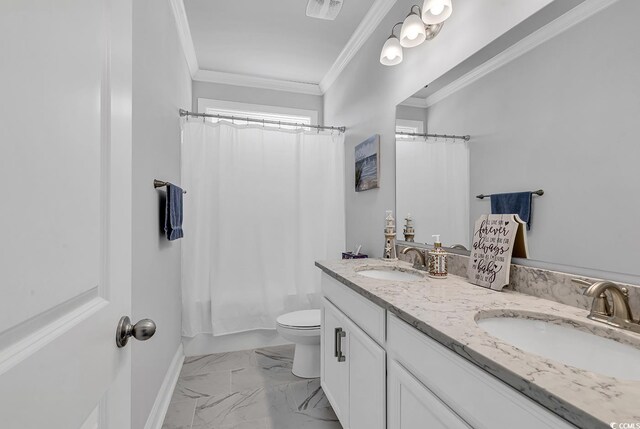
(367, 380)
(413, 406)
(334, 372)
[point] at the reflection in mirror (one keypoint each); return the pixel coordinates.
(556, 113)
(432, 184)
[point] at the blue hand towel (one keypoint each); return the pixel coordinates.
(514, 203)
(173, 213)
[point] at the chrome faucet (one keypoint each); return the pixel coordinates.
(619, 313)
(419, 252)
(459, 247)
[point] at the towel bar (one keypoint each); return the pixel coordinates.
(159, 184)
(539, 192)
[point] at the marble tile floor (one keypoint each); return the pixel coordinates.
(248, 389)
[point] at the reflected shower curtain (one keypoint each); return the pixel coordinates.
(262, 205)
(432, 183)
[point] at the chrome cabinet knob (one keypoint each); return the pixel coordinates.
(143, 330)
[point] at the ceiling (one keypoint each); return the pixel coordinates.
(271, 39)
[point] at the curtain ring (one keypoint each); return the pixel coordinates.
(262, 122)
(278, 124)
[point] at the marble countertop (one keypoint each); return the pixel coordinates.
(447, 309)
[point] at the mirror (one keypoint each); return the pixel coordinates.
(559, 117)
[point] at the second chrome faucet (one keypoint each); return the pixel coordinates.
(617, 314)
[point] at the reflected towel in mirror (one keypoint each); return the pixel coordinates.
(513, 203)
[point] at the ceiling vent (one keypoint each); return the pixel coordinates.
(324, 9)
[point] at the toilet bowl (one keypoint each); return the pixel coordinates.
(303, 329)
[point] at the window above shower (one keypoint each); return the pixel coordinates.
(257, 112)
(408, 126)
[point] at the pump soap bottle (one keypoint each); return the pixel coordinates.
(437, 260)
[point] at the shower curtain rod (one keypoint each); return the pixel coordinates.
(441, 136)
(260, 121)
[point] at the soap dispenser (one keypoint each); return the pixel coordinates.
(437, 260)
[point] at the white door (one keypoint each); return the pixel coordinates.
(367, 380)
(65, 212)
(334, 372)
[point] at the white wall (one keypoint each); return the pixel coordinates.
(412, 114)
(365, 95)
(563, 117)
(242, 94)
(161, 85)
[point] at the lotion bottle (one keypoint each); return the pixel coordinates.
(437, 260)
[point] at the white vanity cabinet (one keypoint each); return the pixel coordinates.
(353, 370)
(370, 373)
(476, 397)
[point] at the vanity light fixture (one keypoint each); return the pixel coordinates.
(391, 54)
(415, 30)
(436, 11)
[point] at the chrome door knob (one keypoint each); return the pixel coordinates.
(143, 330)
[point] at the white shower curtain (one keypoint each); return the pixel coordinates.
(262, 205)
(432, 183)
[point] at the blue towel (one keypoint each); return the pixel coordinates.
(173, 213)
(514, 203)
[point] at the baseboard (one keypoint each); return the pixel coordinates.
(205, 344)
(161, 404)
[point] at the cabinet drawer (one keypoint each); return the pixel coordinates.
(367, 315)
(479, 398)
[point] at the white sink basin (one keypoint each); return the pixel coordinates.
(391, 273)
(568, 345)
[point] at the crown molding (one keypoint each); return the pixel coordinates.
(184, 33)
(549, 31)
(420, 103)
(256, 82)
(365, 29)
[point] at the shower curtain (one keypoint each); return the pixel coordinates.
(262, 205)
(432, 183)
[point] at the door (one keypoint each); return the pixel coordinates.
(65, 211)
(367, 380)
(334, 366)
(413, 406)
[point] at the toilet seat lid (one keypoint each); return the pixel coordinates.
(300, 319)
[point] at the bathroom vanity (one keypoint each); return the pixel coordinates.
(404, 351)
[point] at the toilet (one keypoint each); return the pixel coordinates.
(303, 329)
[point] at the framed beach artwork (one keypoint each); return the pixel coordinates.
(368, 163)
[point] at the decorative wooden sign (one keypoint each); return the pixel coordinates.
(494, 238)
